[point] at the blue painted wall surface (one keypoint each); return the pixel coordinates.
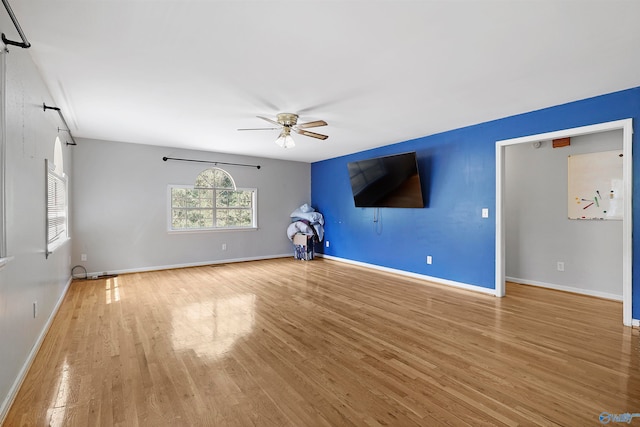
(458, 180)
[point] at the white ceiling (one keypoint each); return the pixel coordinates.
(182, 73)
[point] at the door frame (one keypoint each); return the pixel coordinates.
(626, 125)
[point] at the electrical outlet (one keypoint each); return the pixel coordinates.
(224, 246)
(326, 243)
(485, 212)
(560, 266)
(83, 257)
(429, 259)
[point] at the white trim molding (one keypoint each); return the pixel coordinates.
(185, 265)
(427, 279)
(572, 289)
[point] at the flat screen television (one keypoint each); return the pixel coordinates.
(386, 182)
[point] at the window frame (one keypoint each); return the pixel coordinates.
(254, 204)
(54, 242)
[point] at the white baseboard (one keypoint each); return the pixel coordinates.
(635, 322)
(191, 264)
(574, 290)
(424, 277)
(13, 391)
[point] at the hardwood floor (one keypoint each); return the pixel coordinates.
(321, 343)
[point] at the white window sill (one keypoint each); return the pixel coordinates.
(55, 245)
(4, 261)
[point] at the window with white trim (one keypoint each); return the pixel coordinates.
(57, 207)
(213, 203)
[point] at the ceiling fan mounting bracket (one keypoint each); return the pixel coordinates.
(287, 119)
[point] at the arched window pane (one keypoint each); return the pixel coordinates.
(215, 178)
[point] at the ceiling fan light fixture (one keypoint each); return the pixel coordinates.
(289, 122)
(285, 140)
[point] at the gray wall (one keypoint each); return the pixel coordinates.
(120, 218)
(538, 233)
(28, 276)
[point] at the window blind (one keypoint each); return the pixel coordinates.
(56, 209)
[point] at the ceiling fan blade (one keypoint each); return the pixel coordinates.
(270, 121)
(260, 129)
(311, 134)
(313, 124)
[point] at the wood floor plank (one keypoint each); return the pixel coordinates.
(321, 343)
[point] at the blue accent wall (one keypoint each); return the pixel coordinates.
(458, 180)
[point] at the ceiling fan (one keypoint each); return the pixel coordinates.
(289, 122)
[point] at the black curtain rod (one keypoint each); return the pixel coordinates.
(45, 107)
(211, 162)
(24, 44)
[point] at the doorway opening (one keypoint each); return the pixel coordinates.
(626, 127)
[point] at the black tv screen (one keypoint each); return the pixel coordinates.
(386, 182)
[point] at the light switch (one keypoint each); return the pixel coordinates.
(485, 212)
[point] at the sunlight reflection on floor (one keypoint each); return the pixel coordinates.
(211, 328)
(112, 293)
(59, 409)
